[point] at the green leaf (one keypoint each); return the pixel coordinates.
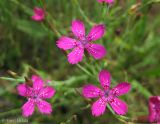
(33, 29)
(136, 85)
(153, 1)
(12, 79)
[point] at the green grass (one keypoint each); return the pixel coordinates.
(132, 41)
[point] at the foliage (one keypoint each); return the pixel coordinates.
(26, 47)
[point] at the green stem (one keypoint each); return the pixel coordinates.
(85, 70)
(50, 21)
(105, 11)
(136, 85)
(151, 2)
(41, 3)
(25, 8)
(82, 13)
(121, 118)
(69, 81)
(12, 79)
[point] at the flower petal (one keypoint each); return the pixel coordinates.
(24, 90)
(154, 105)
(78, 29)
(47, 92)
(39, 14)
(44, 107)
(76, 55)
(106, 1)
(119, 106)
(38, 83)
(96, 50)
(28, 108)
(110, 1)
(66, 43)
(91, 91)
(96, 33)
(105, 79)
(99, 107)
(38, 11)
(37, 18)
(121, 89)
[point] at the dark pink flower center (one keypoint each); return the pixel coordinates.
(83, 41)
(35, 94)
(106, 93)
(39, 12)
(109, 95)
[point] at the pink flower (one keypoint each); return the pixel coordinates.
(106, 1)
(36, 96)
(107, 95)
(154, 109)
(39, 14)
(82, 42)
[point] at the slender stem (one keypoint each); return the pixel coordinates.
(52, 27)
(13, 79)
(68, 81)
(49, 19)
(105, 11)
(110, 109)
(138, 86)
(27, 10)
(83, 13)
(85, 70)
(151, 2)
(121, 118)
(41, 3)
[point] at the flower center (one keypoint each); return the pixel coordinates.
(109, 96)
(106, 93)
(83, 41)
(35, 94)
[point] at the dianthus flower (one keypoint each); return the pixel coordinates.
(36, 96)
(106, 95)
(83, 42)
(39, 14)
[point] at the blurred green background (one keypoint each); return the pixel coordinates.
(132, 40)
